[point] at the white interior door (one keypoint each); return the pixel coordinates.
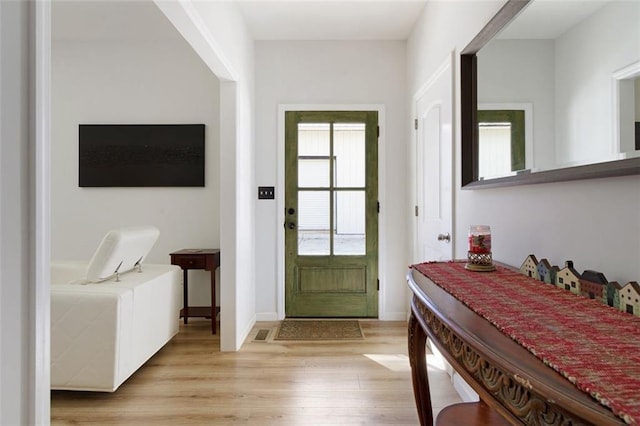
(434, 142)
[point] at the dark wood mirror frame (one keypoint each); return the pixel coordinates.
(469, 120)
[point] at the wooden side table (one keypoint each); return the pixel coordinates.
(209, 260)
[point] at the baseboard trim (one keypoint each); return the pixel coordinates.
(393, 316)
(389, 316)
(466, 392)
(267, 316)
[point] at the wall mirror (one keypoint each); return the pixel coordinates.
(551, 92)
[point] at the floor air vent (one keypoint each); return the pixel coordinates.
(262, 335)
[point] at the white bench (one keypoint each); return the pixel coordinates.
(104, 327)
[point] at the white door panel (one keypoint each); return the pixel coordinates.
(434, 142)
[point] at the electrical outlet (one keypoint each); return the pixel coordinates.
(266, 193)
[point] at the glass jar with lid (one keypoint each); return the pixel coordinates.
(480, 239)
(479, 257)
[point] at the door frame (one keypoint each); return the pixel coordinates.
(280, 188)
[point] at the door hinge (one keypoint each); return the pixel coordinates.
(415, 123)
(378, 131)
(416, 210)
(378, 284)
(378, 207)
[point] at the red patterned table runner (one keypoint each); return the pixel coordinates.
(594, 346)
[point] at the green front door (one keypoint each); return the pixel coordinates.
(331, 214)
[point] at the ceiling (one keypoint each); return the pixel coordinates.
(331, 20)
(548, 19)
(266, 19)
(297, 19)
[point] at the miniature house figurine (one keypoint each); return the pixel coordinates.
(568, 278)
(630, 298)
(530, 267)
(612, 294)
(546, 272)
(593, 284)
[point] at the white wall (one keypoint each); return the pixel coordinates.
(224, 21)
(593, 222)
(333, 73)
(134, 82)
(217, 32)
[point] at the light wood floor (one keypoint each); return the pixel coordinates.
(190, 381)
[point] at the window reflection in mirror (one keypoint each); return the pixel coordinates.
(501, 143)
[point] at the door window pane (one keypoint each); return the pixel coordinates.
(313, 139)
(313, 172)
(313, 223)
(350, 221)
(349, 152)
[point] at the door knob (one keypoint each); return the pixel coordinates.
(444, 237)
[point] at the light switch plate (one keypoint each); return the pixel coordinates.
(266, 193)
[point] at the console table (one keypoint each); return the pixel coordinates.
(506, 376)
(209, 260)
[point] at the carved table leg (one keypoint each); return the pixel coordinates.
(417, 358)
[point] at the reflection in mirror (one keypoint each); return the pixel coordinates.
(636, 87)
(629, 108)
(577, 63)
(504, 139)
